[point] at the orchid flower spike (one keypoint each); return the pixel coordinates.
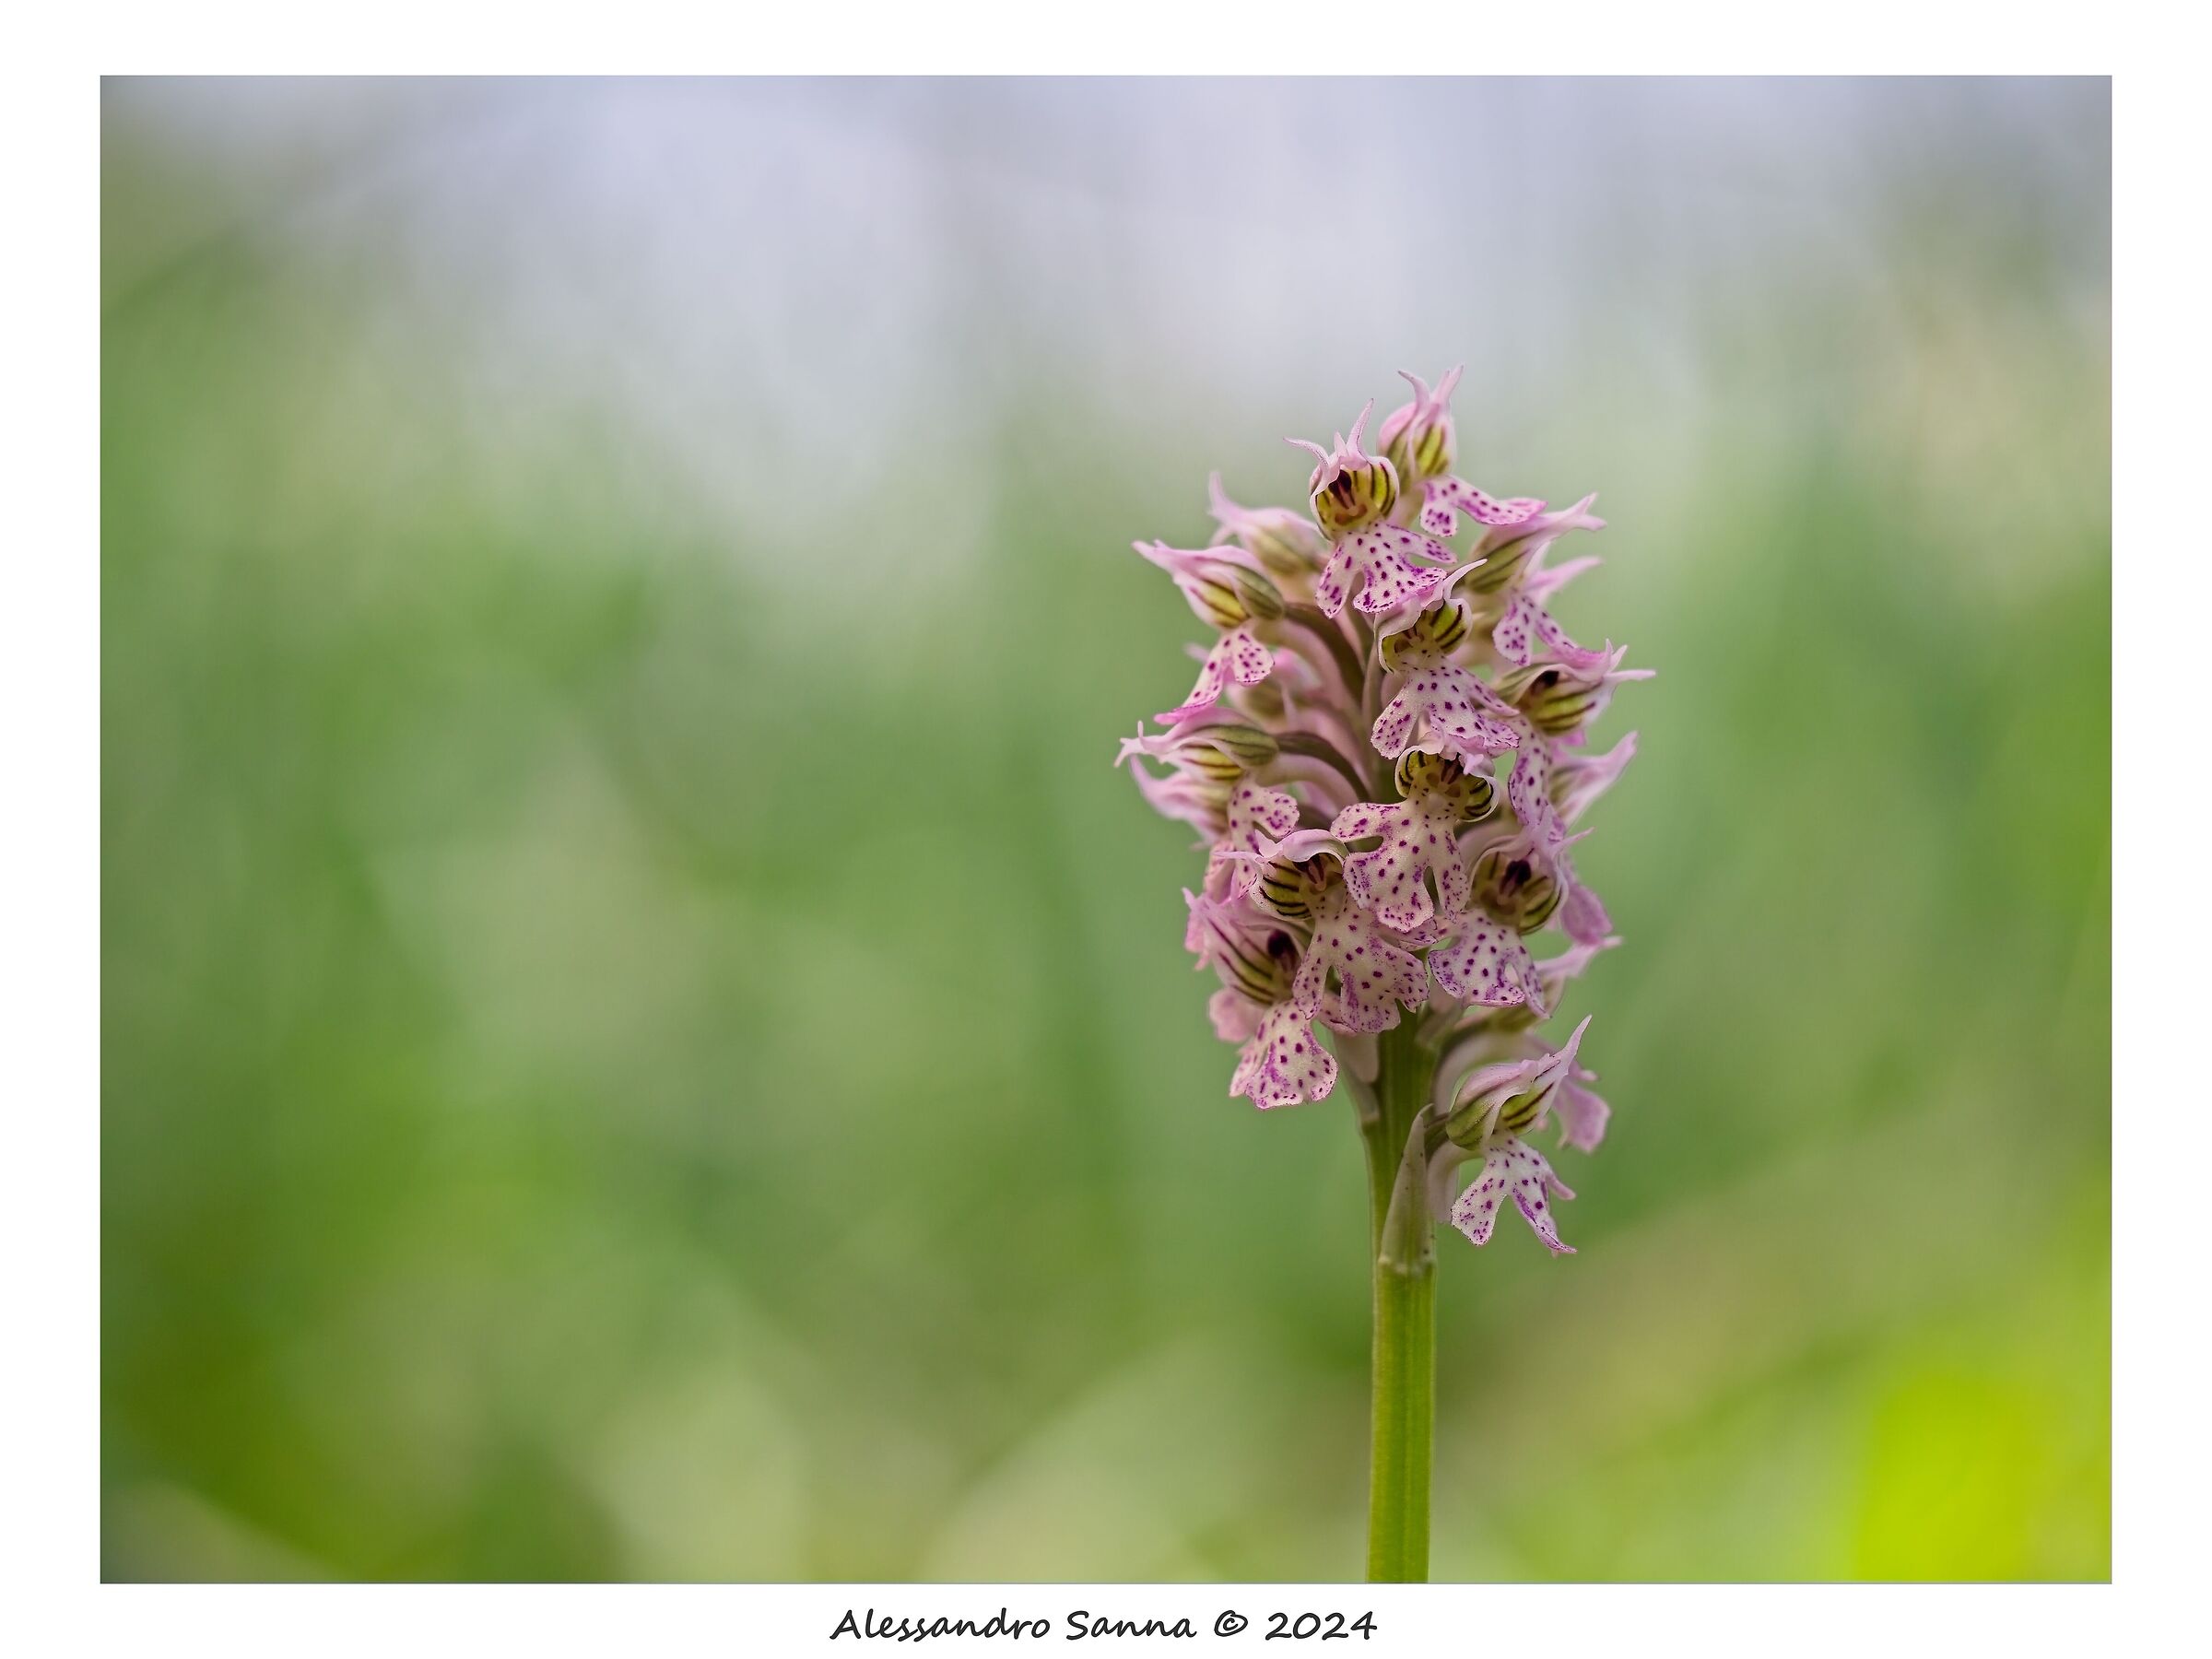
(1386, 759)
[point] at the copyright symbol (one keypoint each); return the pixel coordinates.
(1230, 1623)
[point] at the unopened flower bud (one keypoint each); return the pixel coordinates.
(1509, 548)
(1281, 969)
(1517, 885)
(1558, 695)
(1261, 598)
(1221, 754)
(1292, 889)
(1509, 1098)
(1283, 542)
(1499, 567)
(1429, 638)
(1265, 700)
(1220, 751)
(1232, 747)
(1253, 957)
(1216, 602)
(1554, 697)
(1350, 490)
(1470, 796)
(1418, 437)
(1223, 587)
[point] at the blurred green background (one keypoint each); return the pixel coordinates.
(644, 1038)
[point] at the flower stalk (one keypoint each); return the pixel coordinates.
(1402, 1393)
(1384, 755)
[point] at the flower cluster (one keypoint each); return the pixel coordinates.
(1386, 757)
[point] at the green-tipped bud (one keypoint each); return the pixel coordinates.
(1216, 600)
(1429, 456)
(1264, 972)
(1221, 590)
(1262, 598)
(1554, 696)
(1290, 890)
(1357, 495)
(1264, 700)
(1471, 794)
(1495, 1107)
(1417, 437)
(1432, 636)
(1229, 596)
(1280, 539)
(1285, 542)
(1351, 489)
(1497, 570)
(1509, 1098)
(1516, 889)
(1227, 752)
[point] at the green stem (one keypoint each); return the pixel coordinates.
(1404, 1342)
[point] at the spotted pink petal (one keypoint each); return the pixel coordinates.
(1419, 846)
(1526, 624)
(1237, 656)
(1376, 565)
(1528, 791)
(1513, 636)
(1483, 508)
(1372, 975)
(1463, 717)
(1517, 1170)
(1543, 528)
(1361, 819)
(1284, 1062)
(1488, 964)
(1259, 817)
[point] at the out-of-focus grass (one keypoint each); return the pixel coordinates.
(623, 1059)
